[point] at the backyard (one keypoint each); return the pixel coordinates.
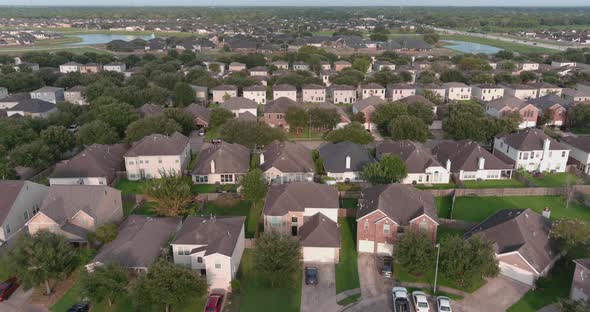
(553, 179)
(235, 208)
(346, 270)
(509, 183)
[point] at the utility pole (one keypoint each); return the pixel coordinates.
(436, 270)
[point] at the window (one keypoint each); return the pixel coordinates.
(293, 219)
(147, 161)
(199, 259)
(26, 215)
(159, 161)
(183, 251)
(227, 178)
(141, 161)
(563, 154)
(202, 179)
(366, 225)
(131, 163)
(385, 229)
(7, 228)
(218, 265)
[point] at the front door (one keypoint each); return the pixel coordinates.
(294, 226)
(142, 173)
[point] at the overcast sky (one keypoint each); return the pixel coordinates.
(298, 2)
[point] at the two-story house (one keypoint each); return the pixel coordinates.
(487, 92)
(381, 65)
(532, 150)
(544, 89)
(223, 163)
(435, 89)
(285, 162)
(510, 104)
(342, 94)
(70, 67)
(239, 106)
(90, 68)
(552, 108)
(222, 93)
(457, 91)
(398, 91)
(340, 65)
(74, 95)
(345, 161)
(523, 92)
(313, 93)
(236, 66)
(579, 151)
(19, 201)
(280, 64)
(301, 66)
(115, 67)
(386, 212)
(258, 71)
(49, 94)
(367, 107)
(275, 111)
(284, 90)
(256, 93)
(157, 154)
(372, 89)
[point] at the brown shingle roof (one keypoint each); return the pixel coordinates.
(374, 101)
(9, 190)
(287, 157)
(416, 158)
(319, 231)
(465, 155)
(284, 87)
(235, 103)
(228, 158)
(159, 145)
(297, 196)
(280, 105)
(218, 234)
(97, 160)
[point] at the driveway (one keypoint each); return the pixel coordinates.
(321, 297)
(498, 294)
(372, 283)
(18, 302)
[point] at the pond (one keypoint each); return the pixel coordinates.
(91, 39)
(471, 47)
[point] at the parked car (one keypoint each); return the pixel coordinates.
(443, 304)
(201, 132)
(386, 266)
(311, 275)
(214, 302)
(420, 301)
(7, 288)
(401, 303)
(80, 307)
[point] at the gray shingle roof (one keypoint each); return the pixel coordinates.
(549, 100)
(236, 103)
(219, 234)
(581, 143)
(159, 145)
(228, 158)
(151, 110)
(280, 105)
(225, 88)
(284, 87)
(508, 101)
(465, 155)
(96, 160)
(529, 140)
(370, 101)
(198, 111)
(334, 157)
(297, 196)
(287, 157)
(9, 190)
(416, 158)
(33, 106)
(319, 231)
(255, 88)
(47, 89)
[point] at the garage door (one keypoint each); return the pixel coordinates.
(317, 254)
(366, 246)
(516, 273)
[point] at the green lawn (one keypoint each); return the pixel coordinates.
(402, 275)
(255, 295)
(128, 187)
(306, 135)
(443, 232)
(554, 179)
(511, 46)
(128, 208)
(476, 209)
(349, 202)
(346, 270)
(445, 186)
(241, 208)
(147, 209)
(581, 130)
(350, 299)
(213, 188)
(211, 133)
(510, 183)
(443, 205)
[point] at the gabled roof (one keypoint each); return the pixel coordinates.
(287, 157)
(372, 85)
(413, 99)
(465, 155)
(280, 105)
(198, 111)
(319, 231)
(400, 202)
(158, 145)
(236, 103)
(228, 158)
(581, 142)
(225, 88)
(370, 101)
(140, 241)
(334, 156)
(313, 87)
(218, 234)
(297, 196)
(96, 160)
(337, 87)
(416, 158)
(255, 88)
(529, 140)
(33, 106)
(522, 231)
(284, 87)
(455, 85)
(584, 263)
(47, 89)
(549, 100)
(9, 190)
(508, 101)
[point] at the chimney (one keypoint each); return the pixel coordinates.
(347, 162)
(212, 166)
(546, 144)
(547, 213)
(449, 165)
(481, 163)
(261, 158)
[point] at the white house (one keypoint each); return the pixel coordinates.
(256, 93)
(579, 151)
(284, 90)
(372, 89)
(155, 154)
(487, 92)
(532, 150)
(240, 105)
(313, 93)
(115, 67)
(523, 92)
(70, 67)
(223, 92)
(19, 201)
(342, 94)
(457, 91)
(398, 91)
(212, 246)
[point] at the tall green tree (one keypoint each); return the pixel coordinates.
(41, 257)
(219, 117)
(390, 169)
(415, 252)
(36, 154)
(250, 133)
(571, 233)
(117, 115)
(384, 114)
(277, 257)
(98, 132)
(254, 186)
(408, 128)
(297, 118)
(106, 282)
(151, 125)
(106, 233)
(183, 118)
(171, 192)
(183, 94)
(59, 138)
(467, 261)
(353, 132)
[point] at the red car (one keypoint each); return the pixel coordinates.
(214, 303)
(7, 288)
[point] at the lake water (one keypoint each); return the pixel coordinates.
(105, 38)
(471, 47)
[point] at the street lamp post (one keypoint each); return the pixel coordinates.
(436, 270)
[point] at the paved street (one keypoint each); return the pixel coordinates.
(498, 294)
(321, 297)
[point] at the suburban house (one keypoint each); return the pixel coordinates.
(457, 91)
(469, 161)
(313, 93)
(200, 114)
(386, 212)
(49, 94)
(275, 111)
(325, 65)
(90, 68)
(344, 118)
(555, 106)
(345, 161)
(487, 92)
(236, 66)
(367, 107)
(259, 71)
(281, 64)
(308, 210)
(256, 93)
(581, 280)
(528, 66)
(285, 162)
(140, 241)
(372, 89)
(510, 104)
(32, 108)
(76, 210)
(342, 94)
(381, 65)
(576, 95)
(201, 93)
(115, 67)
(544, 89)
(12, 100)
(157, 154)
(523, 243)
(579, 151)
(422, 167)
(435, 89)
(284, 90)
(239, 106)
(223, 92)
(74, 95)
(398, 91)
(20, 200)
(223, 163)
(301, 66)
(340, 65)
(523, 92)
(212, 246)
(70, 67)
(532, 150)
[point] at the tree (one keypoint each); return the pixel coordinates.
(390, 169)
(467, 261)
(151, 125)
(361, 64)
(415, 252)
(527, 76)
(408, 128)
(106, 233)
(36, 155)
(358, 117)
(579, 116)
(117, 115)
(171, 192)
(384, 114)
(433, 97)
(431, 38)
(277, 257)
(297, 118)
(464, 121)
(98, 132)
(219, 116)
(105, 282)
(254, 185)
(183, 118)
(353, 132)
(41, 257)
(571, 233)
(59, 138)
(452, 75)
(7, 171)
(183, 94)
(250, 133)
(178, 282)
(422, 111)
(323, 119)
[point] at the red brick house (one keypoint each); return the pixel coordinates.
(386, 212)
(275, 111)
(555, 106)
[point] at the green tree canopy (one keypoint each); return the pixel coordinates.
(353, 132)
(254, 186)
(250, 133)
(415, 252)
(219, 117)
(171, 192)
(277, 257)
(297, 118)
(58, 138)
(467, 261)
(408, 128)
(183, 94)
(98, 132)
(390, 169)
(151, 125)
(106, 282)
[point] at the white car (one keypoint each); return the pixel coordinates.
(420, 301)
(444, 304)
(400, 299)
